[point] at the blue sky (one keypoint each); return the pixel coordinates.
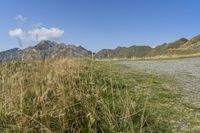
(97, 24)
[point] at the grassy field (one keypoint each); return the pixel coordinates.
(157, 57)
(88, 96)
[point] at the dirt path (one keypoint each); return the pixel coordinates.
(185, 71)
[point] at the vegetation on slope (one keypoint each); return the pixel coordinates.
(86, 96)
(166, 48)
(194, 43)
(181, 47)
(123, 52)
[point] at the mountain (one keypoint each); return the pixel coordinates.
(52, 50)
(11, 54)
(166, 48)
(182, 46)
(123, 52)
(141, 51)
(194, 43)
(45, 50)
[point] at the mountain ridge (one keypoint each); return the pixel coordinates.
(181, 46)
(47, 49)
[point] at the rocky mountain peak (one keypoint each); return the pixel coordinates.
(45, 44)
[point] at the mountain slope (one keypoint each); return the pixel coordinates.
(167, 47)
(123, 52)
(45, 50)
(9, 54)
(194, 43)
(178, 47)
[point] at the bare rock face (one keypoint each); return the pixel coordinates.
(45, 50)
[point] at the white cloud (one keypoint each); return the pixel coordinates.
(18, 33)
(35, 35)
(20, 18)
(43, 33)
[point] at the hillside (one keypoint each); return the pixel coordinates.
(194, 43)
(167, 47)
(181, 46)
(123, 52)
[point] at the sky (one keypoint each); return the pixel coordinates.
(97, 24)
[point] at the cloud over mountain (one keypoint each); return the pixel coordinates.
(34, 33)
(43, 33)
(18, 33)
(37, 34)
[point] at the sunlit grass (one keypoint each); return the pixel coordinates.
(157, 57)
(87, 96)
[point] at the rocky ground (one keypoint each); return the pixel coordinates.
(185, 71)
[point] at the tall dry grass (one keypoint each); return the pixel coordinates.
(82, 96)
(58, 96)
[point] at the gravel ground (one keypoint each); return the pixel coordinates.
(185, 71)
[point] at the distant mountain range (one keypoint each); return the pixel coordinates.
(52, 50)
(179, 47)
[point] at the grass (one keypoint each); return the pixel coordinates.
(169, 57)
(157, 57)
(88, 96)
